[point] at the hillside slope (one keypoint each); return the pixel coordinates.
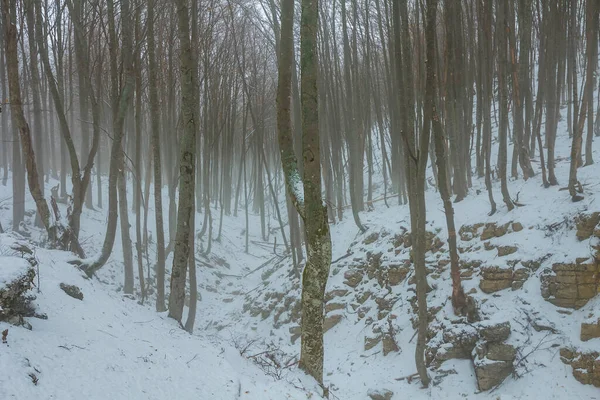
(106, 346)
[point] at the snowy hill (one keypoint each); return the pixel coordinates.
(246, 341)
(106, 346)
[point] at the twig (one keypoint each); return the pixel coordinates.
(342, 257)
(188, 363)
(281, 258)
(408, 378)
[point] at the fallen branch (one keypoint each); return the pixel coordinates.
(280, 258)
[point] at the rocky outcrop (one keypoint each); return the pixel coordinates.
(504, 251)
(353, 277)
(494, 279)
(590, 330)
(483, 343)
(586, 225)
(585, 365)
(493, 359)
(492, 230)
(571, 285)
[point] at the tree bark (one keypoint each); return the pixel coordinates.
(186, 166)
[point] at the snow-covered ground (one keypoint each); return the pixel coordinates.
(110, 347)
(106, 346)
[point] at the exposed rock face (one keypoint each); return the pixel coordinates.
(469, 232)
(517, 226)
(506, 250)
(353, 277)
(72, 291)
(494, 279)
(389, 344)
(493, 360)
(372, 238)
(590, 330)
(491, 373)
(586, 224)
(457, 342)
(495, 333)
(371, 342)
(571, 285)
(492, 230)
(586, 366)
(483, 343)
(396, 274)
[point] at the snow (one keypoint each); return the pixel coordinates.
(110, 347)
(12, 268)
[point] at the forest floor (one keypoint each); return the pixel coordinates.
(244, 346)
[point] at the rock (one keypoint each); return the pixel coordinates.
(495, 333)
(495, 279)
(389, 344)
(570, 285)
(566, 355)
(466, 275)
(532, 265)
(585, 366)
(384, 304)
(493, 361)
(488, 232)
(491, 373)
(396, 274)
(586, 223)
(329, 307)
(506, 250)
(488, 246)
(492, 230)
(362, 312)
(362, 297)
(520, 275)
(501, 352)
(590, 330)
(517, 227)
(371, 342)
(468, 232)
(384, 394)
(335, 293)
(18, 275)
(331, 321)
(353, 277)
(458, 341)
(582, 376)
(72, 291)
(372, 238)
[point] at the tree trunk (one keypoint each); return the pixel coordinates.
(186, 166)
(119, 113)
(155, 128)
(18, 117)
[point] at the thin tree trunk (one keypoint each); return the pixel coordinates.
(155, 128)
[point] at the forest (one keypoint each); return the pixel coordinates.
(404, 160)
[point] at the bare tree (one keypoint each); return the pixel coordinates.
(186, 166)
